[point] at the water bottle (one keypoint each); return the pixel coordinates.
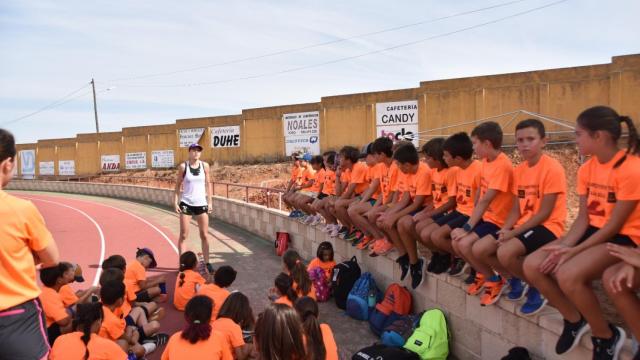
(372, 298)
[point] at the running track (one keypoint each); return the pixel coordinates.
(87, 232)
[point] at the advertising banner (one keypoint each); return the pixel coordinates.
(110, 162)
(27, 163)
(302, 132)
(225, 136)
(135, 160)
(162, 159)
(398, 120)
(189, 136)
(66, 167)
(47, 168)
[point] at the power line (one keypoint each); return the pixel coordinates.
(49, 106)
(306, 47)
(290, 70)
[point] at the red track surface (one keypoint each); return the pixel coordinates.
(79, 240)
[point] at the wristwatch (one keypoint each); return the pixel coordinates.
(466, 227)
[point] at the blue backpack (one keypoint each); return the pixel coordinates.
(363, 297)
(396, 334)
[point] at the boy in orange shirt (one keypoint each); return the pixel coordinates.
(343, 178)
(491, 210)
(328, 192)
(363, 236)
(349, 157)
(537, 216)
(458, 152)
(308, 194)
(145, 289)
(56, 314)
(73, 273)
(303, 175)
(222, 279)
(415, 189)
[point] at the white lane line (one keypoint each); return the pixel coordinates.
(102, 241)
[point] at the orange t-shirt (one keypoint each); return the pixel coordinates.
(388, 178)
(295, 173)
(22, 230)
(217, 294)
(345, 179)
(359, 177)
(52, 306)
(305, 175)
(67, 295)
(326, 266)
(329, 342)
(70, 346)
(283, 300)
(134, 273)
(112, 325)
(311, 293)
(182, 294)
(467, 186)
(418, 183)
(232, 333)
(329, 182)
(497, 175)
(125, 309)
(318, 179)
(531, 183)
(213, 348)
(443, 183)
(376, 172)
(603, 185)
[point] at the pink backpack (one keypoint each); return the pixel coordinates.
(320, 283)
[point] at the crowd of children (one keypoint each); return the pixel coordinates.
(501, 226)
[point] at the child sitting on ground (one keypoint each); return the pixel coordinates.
(324, 259)
(189, 280)
(235, 316)
(73, 273)
(293, 265)
(56, 314)
(222, 279)
(283, 292)
(146, 289)
(320, 343)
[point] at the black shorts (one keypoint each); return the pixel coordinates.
(23, 332)
(193, 210)
(485, 228)
(416, 210)
(143, 296)
(618, 239)
(437, 216)
(535, 238)
(453, 220)
(322, 196)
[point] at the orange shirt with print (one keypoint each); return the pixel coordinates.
(67, 295)
(23, 231)
(112, 325)
(329, 342)
(376, 172)
(329, 182)
(134, 273)
(305, 175)
(497, 175)
(70, 346)
(388, 179)
(295, 173)
(213, 348)
(183, 293)
(125, 308)
(418, 183)
(217, 294)
(345, 179)
(359, 177)
(443, 183)
(604, 186)
(531, 183)
(52, 305)
(232, 333)
(326, 266)
(283, 300)
(318, 179)
(467, 186)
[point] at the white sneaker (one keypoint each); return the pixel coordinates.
(303, 218)
(334, 231)
(315, 221)
(326, 228)
(309, 220)
(149, 347)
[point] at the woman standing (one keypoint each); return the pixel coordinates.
(195, 200)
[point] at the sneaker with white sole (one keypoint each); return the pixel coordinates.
(609, 349)
(517, 289)
(571, 334)
(534, 304)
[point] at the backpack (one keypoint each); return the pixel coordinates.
(344, 276)
(397, 302)
(382, 352)
(282, 242)
(400, 330)
(363, 297)
(430, 340)
(320, 283)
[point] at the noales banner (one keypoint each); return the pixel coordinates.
(398, 120)
(302, 132)
(225, 136)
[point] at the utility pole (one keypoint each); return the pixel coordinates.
(95, 107)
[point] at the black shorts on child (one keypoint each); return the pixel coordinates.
(21, 331)
(192, 210)
(143, 296)
(618, 239)
(453, 220)
(437, 216)
(322, 196)
(485, 228)
(535, 238)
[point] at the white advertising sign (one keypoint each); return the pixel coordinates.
(47, 168)
(27, 163)
(162, 159)
(398, 120)
(110, 162)
(189, 136)
(225, 136)
(66, 167)
(135, 160)
(302, 132)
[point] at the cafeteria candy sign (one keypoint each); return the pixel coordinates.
(398, 120)
(302, 132)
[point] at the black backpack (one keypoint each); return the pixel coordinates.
(383, 352)
(344, 276)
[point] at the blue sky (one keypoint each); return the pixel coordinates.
(51, 48)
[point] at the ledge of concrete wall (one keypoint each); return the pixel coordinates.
(478, 332)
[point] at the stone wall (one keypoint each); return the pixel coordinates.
(478, 332)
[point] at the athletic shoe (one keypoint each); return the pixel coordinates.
(435, 257)
(477, 286)
(353, 235)
(458, 267)
(316, 220)
(571, 334)
(381, 247)
(492, 292)
(358, 239)
(417, 276)
(328, 228)
(517, 289)
(366, 240)
(343, 232)
(443, 265)
(535, 302)
(210, 268)
(334, 231)
(471, 278)
(403, 261)
(609, 349)
(293, 213)
(148, 348)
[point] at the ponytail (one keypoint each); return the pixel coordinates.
(633, 145)
(198, 315)
(308, 310)
(188, 261)
(86, 316)
(284, 284)
(298, 271)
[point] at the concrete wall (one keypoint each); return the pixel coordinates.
(350, 119)
(478, 332)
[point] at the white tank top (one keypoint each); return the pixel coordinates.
(194, 191)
